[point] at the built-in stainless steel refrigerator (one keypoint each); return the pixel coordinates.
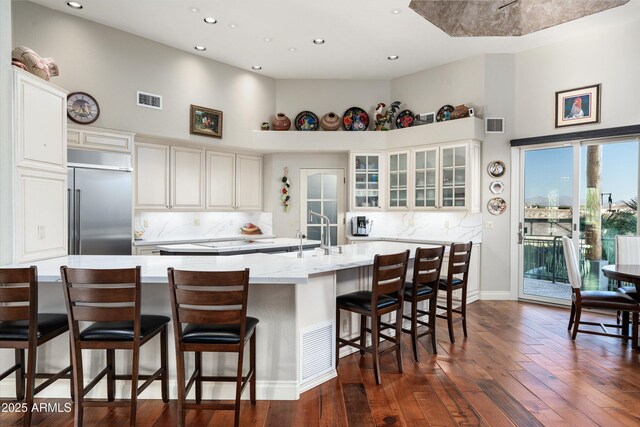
(99, 197)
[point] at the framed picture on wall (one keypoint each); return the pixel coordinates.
(579, 106)
(205, 121)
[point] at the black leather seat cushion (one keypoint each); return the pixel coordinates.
(631, 291)
(362, 300)
(455, 282)
(216, 334)
(421, 291)
(18, 330)
(122, 331)
(608, 299)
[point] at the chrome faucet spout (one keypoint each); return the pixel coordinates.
(326, 244)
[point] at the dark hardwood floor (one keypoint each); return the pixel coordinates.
(518, 367)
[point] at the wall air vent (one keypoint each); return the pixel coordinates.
(317, 350)
(494, 125)
(149, 100)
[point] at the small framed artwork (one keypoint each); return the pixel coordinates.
(425, 119)
(205, 121)
(579, 106)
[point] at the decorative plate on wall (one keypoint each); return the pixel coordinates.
(355, 119)
(306, 120)
(496, 187)
(405, 119)
(496, 169)
(444, 113)
(497, 206)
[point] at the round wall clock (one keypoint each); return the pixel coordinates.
(82, 108)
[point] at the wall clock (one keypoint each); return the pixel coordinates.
(82, 108)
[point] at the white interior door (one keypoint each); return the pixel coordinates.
(322, 191)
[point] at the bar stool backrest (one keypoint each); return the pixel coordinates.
(627, 250)
(459, 260)
(389, 274)
(102, 295)
(209, 297)
(426, 267)
(19, 295)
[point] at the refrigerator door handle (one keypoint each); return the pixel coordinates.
(70, 224)
(77, 220)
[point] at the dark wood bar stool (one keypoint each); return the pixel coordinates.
(22, 327)
(459, 260)
(424, 287)
(386, 296)
(100, 296)
(213, 304)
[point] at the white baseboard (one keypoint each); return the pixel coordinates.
(495, 295)
(329, 375)
(265, 390)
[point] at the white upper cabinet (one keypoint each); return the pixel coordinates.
(151, 176)
(248, 183)
(398, 178)
(425, 178)
(187, 179)
(367, 181)
(221, 177)
(40, 123)
(94, 138)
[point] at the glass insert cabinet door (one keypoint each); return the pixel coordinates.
(398, 174)
(454, 165)
(367, 180)
(425, 181)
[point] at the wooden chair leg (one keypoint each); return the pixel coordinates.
(464, 310)
(134, 385)
(111, 374)
(414, 330)
(363, 332)
(432, 323)
(399, 337)
(19, 359)
(198, 366)
(625, 323)
(375, 322)
(450, 316)
(337, 336)
(164, 365)
(236, 419)
(71, 382)
(181, 386)
(78, 379)
(31, 383)
(252, 366)
(573, 314)
(634, 329)
(576, 322)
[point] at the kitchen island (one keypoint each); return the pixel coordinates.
(242, 247)
(294, 299)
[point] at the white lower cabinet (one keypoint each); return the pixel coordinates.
(146, 250)
(40, 215)
(234, 182)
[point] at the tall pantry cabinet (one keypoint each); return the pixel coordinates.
(40, 168)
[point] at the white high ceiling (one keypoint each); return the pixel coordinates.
(359, 34)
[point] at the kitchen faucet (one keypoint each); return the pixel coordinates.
(326, 245)
(300, 236)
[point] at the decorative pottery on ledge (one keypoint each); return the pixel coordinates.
(281, 122)
(330, 121)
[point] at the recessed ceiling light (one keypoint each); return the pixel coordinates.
(267, 39)
(256, 67)
(194, 9)
(392, 57)
(200, 48)
(233, 25)
(210, 20)
(74, 4)
(318, 41)
(396, 11)
(292, 49)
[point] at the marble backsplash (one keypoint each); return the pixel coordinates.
(437, 226)
(197, 225)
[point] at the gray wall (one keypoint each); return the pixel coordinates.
(112, 65)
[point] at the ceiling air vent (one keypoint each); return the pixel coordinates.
(494, 125)
(149, 100)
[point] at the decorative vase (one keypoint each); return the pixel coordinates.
(461, 111)
(330, 121)
(281, 122)
(265, 126)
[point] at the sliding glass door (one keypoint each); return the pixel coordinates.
(587, 191)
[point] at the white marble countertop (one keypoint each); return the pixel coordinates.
(400, 239)
(221, 238)
(283, 268)
(236, 245)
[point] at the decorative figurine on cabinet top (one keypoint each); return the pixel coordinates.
(384, 120)
(281, 122)
(330, 121)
